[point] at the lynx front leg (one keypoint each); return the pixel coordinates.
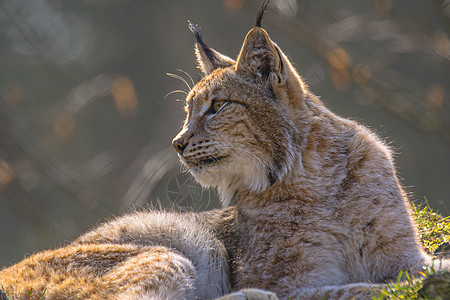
(355, 291)
(250, 294)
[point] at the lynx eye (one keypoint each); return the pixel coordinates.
(216, 105)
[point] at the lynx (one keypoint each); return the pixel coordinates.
(312, 204)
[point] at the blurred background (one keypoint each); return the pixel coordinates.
(87, 115)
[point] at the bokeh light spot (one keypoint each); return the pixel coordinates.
(125, 97)
(233, 6)
(362, 73)
(12, 93)
(338, 58)
(383, 6)
(64, 125)
(435, 97)
(441, 44)
(340, 78)
(287, 8)
(6, 173)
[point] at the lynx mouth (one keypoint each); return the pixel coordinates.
(210, 160)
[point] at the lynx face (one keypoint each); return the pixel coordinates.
(231, 138)
(237, 134)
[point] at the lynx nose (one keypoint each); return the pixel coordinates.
(179, 145)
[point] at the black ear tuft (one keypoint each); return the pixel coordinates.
(261, 12)
(195, 29)
(208, 59)
(197, 33)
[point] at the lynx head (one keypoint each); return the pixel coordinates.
(241, 130)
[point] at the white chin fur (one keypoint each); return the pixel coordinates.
(231, 178)
(205, 178)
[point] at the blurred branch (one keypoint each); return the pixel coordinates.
(28, 33)
(144, 174)
(25, 146)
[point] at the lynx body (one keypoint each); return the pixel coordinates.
(312, 203)
(319, 209)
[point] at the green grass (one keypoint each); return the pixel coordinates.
(433, 228)
(405, 287)
(433, 231)
(3, 295)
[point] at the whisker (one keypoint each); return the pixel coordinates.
(176, 76)
(176, 91)
(251, 153)
(244, 150)
(192, 80)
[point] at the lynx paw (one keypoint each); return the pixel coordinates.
(250, 294)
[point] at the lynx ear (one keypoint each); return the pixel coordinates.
(260, 58)
(208, 59)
